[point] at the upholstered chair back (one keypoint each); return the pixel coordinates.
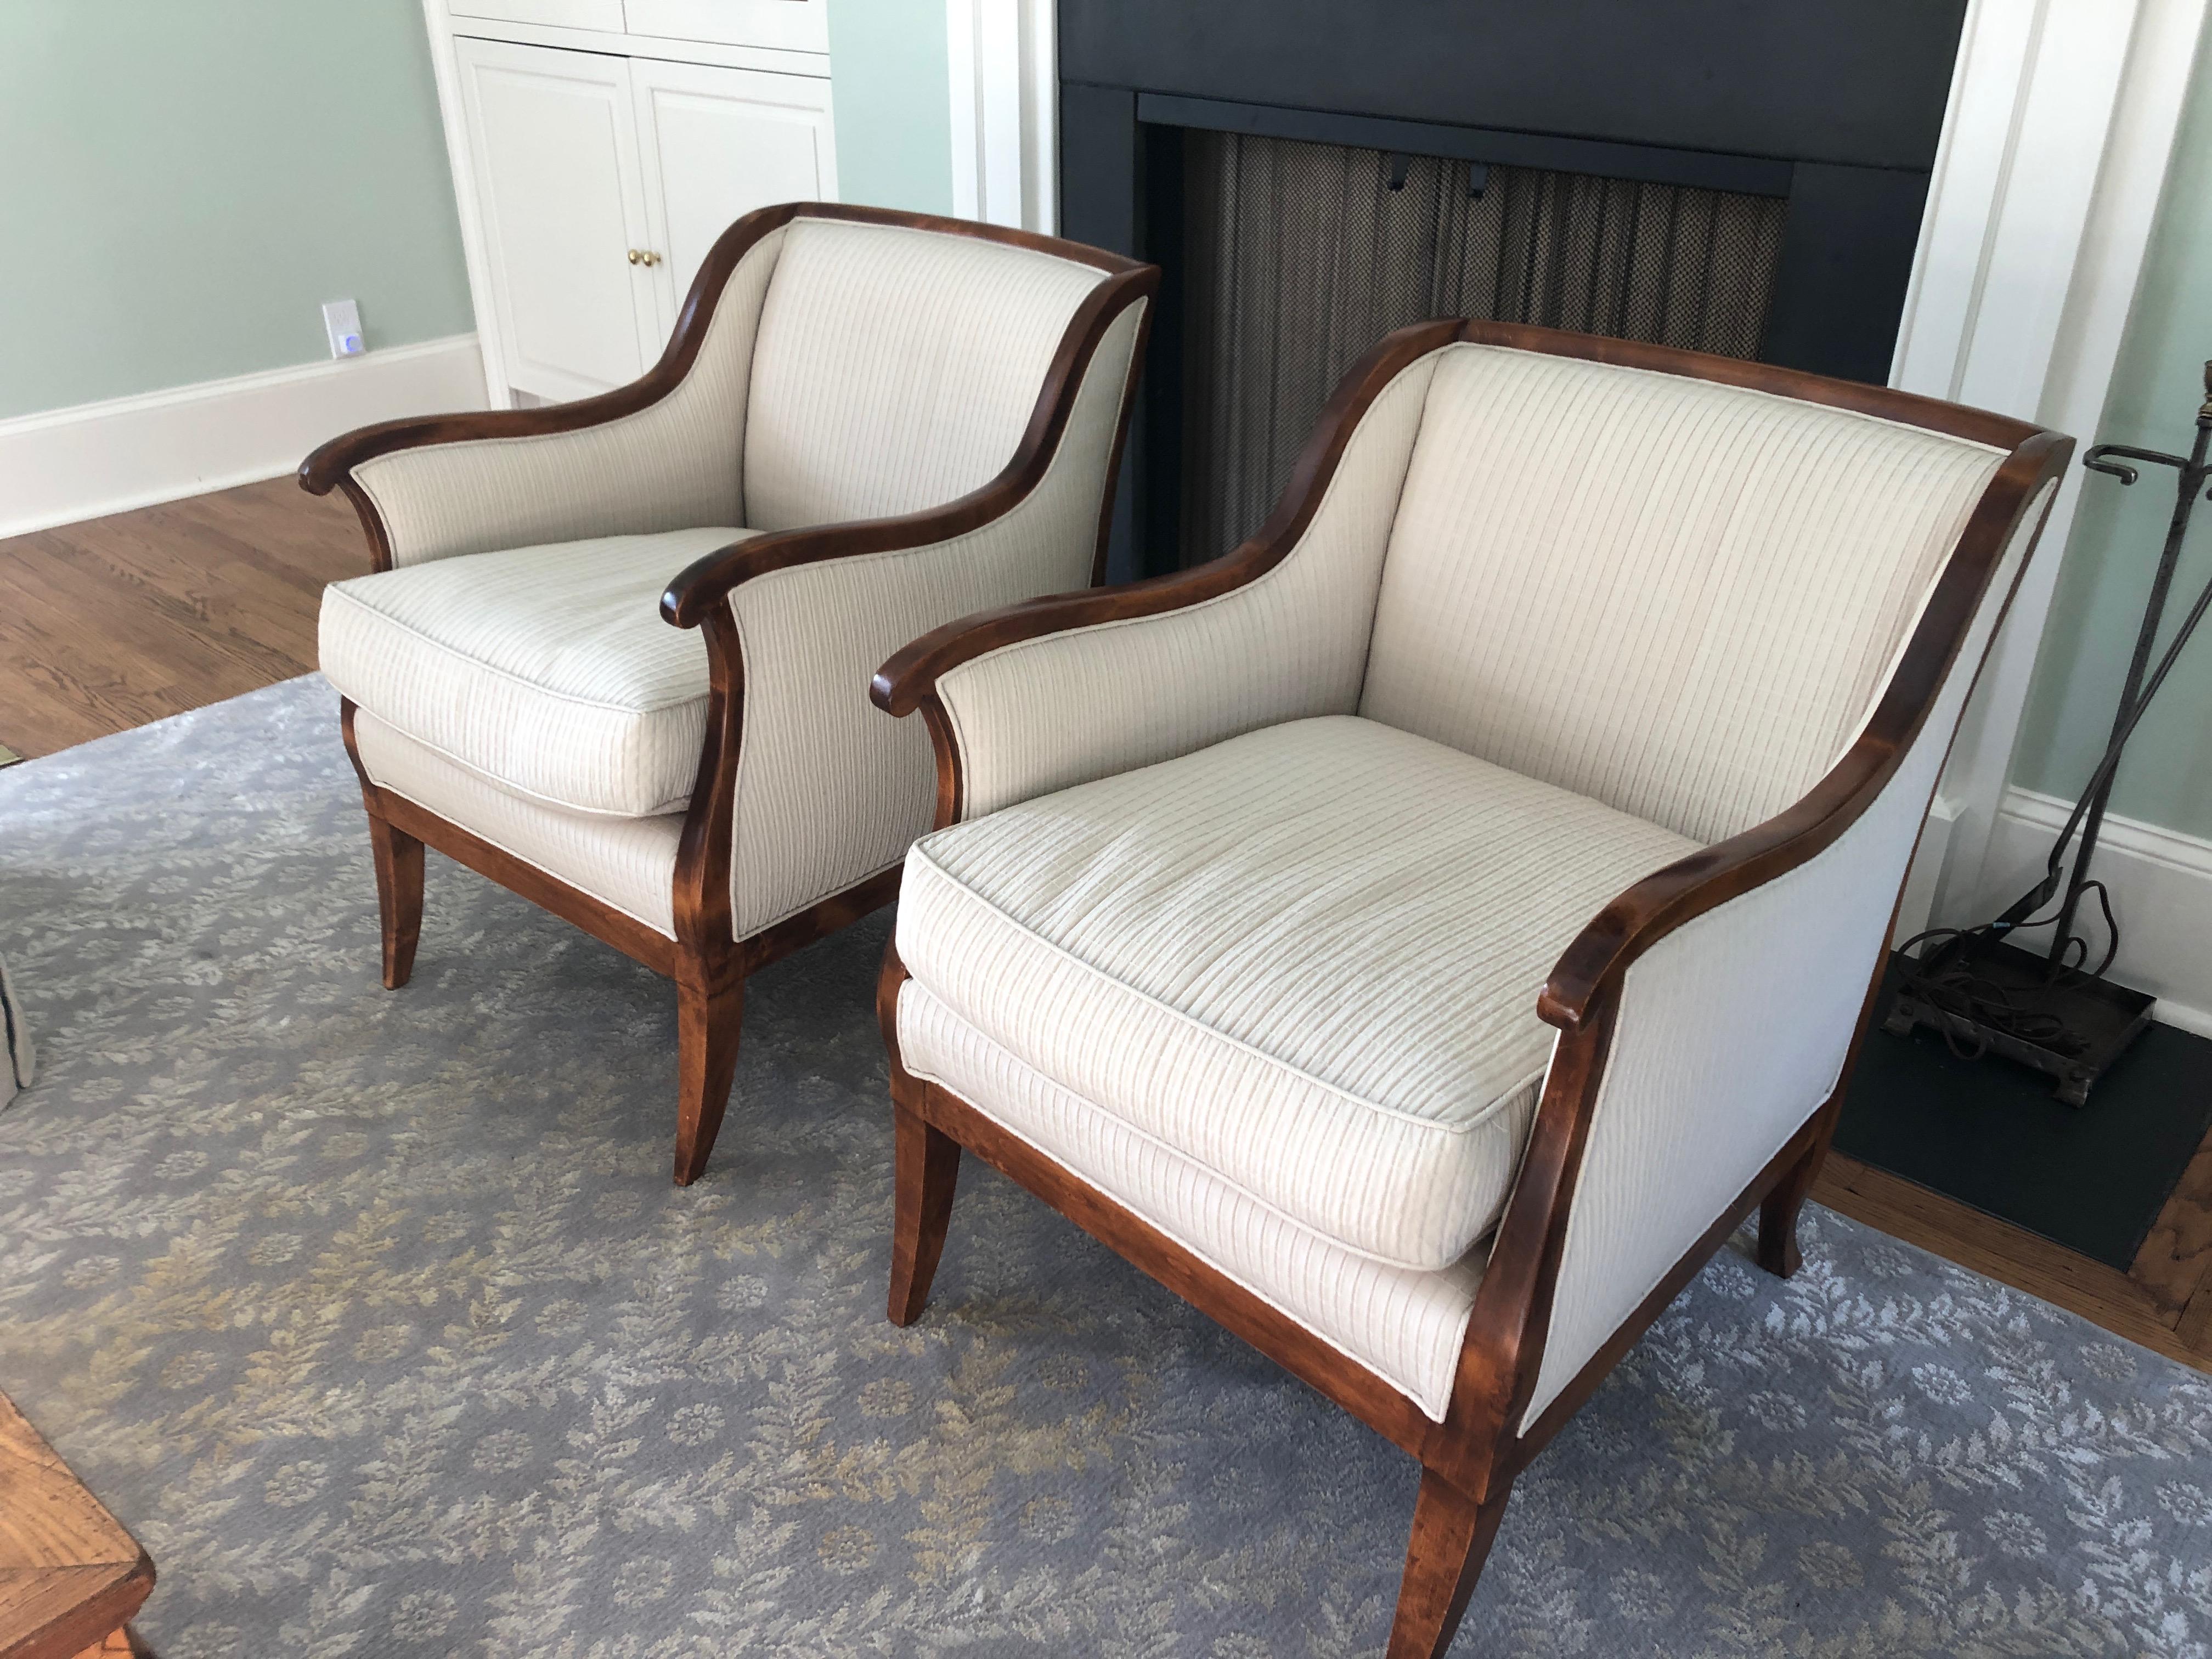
(1677, 597)
(894, 369)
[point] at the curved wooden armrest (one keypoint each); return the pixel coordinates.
(1592, 966)
(704, 583)
(911, 676)
(330, 463)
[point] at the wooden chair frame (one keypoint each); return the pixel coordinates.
(1470, 1460)
(707, 961)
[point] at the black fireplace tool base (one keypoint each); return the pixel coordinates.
(2087, 1022)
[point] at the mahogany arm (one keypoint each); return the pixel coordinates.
(909, 678)
(706, 582)
(1588, 974)
(332, 462)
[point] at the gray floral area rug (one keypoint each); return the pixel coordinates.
(375, 1316)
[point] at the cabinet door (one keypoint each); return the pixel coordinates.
(554, 144)
(717, 144)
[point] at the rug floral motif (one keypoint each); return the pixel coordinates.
(375, 1316)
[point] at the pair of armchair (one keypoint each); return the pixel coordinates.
(1562, 657)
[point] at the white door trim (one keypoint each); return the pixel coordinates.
(2061, 120)
(1004, 65)
(446, 69)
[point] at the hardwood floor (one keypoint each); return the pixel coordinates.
(111, 623)
(116, 621)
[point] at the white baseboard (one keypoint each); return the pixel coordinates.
(65, 464)
(2161, 888)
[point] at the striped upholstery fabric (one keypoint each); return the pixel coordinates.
(1307, 958)
(1699, 1092)
(1675, 597)
(1290, 645)
(1405, 1326)
(895, 368)
(626, 864)
(830, 791)
(546, 669)
(671, 465)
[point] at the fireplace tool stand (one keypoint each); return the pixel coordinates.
(2053, 1011)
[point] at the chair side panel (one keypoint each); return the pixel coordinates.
(829, 790)
(1734, 1030)
(673, 464)
(1052, 712)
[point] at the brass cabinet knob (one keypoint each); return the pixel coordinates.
(639, 256)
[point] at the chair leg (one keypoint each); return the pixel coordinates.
(1451, 1538)
(398, 858)
(1778, 1214)
(707, 1027)
(928, 1162)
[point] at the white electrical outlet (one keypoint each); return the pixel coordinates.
(341, 321)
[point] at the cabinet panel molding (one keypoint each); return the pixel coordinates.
(561, 199)
(717, 144)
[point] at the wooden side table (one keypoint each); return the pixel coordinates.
(70, 1575)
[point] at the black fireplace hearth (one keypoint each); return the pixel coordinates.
(1728, 175)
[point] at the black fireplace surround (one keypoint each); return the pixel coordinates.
(1833, 105)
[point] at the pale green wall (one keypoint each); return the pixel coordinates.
(183, 185)
(2167, 776)
(894, 122)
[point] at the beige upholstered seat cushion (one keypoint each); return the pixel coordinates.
(547, 669)
(1306, 958)
(1405, 1326)
(626, 864)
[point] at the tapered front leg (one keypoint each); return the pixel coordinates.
(1451, 1538)
(1777, 1214)
(928, 1162)
(398, 858)
(707, 1022)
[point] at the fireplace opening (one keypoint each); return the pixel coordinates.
(1666, 173)
(1296, 257)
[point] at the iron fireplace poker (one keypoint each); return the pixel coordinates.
(2053, 1011)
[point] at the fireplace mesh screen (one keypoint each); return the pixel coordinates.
(1299, 256)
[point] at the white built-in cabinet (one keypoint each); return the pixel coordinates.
(599, 147)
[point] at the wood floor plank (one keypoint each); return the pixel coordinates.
(115, 621)
(167, 571)
(124, 649)
(59, 688)
(2175, 1262)
(2195, 1326)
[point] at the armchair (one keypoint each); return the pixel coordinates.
(1560, 653)
(864, 423)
